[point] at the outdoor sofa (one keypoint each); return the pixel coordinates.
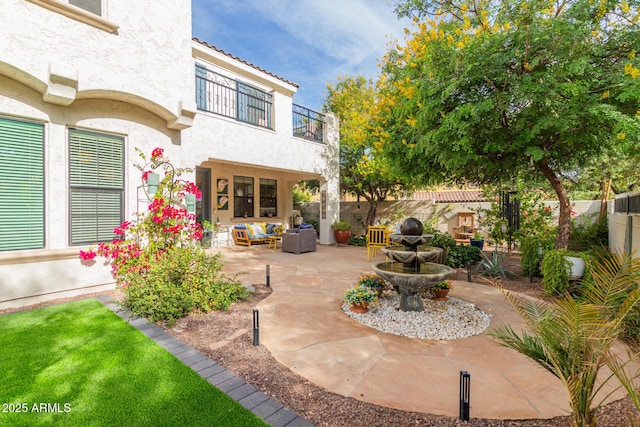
(250, 233)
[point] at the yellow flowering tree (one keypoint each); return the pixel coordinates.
(363, 170)
(493, 90)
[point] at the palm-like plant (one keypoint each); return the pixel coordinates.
(573, 338)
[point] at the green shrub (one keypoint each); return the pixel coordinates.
(440, 239)
(171, 284)
(589, 233)
(358, 240)
(459, 256)
(533, 249)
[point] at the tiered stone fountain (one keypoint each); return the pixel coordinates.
(410, 270)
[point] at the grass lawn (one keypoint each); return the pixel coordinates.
(78, 364)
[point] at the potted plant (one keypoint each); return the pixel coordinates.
(373, 281)
(558, 267)
(477, 240)
(441, 290)
(342, 232)
(278, 230)
(207, 233)
(359, 297)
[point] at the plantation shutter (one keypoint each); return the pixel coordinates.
(21, 185)
(96, 178)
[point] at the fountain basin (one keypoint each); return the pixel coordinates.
(409, 257)
(411, 284)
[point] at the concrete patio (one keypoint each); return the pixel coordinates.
(303, 326)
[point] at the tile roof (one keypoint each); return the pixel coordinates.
(448, 196)
(245, 62)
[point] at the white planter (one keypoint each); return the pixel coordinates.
(576, 267)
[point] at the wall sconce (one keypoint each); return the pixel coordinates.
(153, 179)
(190, 200)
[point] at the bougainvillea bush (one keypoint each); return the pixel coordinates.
(157, 261)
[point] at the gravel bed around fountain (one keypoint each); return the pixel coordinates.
(440, 320)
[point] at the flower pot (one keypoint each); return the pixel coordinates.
(576, 269)
(361, 307)
(441, 294)
(477, 243)
(342, 236)
(207, 239)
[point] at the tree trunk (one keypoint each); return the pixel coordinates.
(564, 220)
(371, 215)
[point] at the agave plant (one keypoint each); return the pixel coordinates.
(492, 265)
(574, 338)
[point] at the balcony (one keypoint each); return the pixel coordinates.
(218, 94)
(227, 97)
(308, 124)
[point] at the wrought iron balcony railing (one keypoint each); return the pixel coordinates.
(308, 124)
(227, 97)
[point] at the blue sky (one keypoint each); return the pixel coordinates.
(310, 42)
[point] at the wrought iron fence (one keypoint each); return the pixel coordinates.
(308, 124)
(227, 97)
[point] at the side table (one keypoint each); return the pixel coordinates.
(274, 240)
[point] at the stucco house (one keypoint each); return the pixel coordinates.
(85, 83)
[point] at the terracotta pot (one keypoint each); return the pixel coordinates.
(441, 294)
(342, 236)
(362, 307)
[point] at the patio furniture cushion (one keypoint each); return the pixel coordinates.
(257, 230)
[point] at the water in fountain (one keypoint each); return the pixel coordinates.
(411, 271)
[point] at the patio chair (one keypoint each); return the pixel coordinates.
(377, 237)
(298, 241)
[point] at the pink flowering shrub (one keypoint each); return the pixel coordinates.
(157, 261)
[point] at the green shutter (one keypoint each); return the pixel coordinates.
(96, 177)
(21, 185)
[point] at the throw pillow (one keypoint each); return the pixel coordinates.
(256, 229)
(270, 228)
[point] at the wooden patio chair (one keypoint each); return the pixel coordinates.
(377, 237)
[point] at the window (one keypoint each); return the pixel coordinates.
(93, 6)
(21, 185)
(90, 12)
(268, 197)
(96, 180)
(242, 196)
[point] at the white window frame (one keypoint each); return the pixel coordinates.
(74, 12)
